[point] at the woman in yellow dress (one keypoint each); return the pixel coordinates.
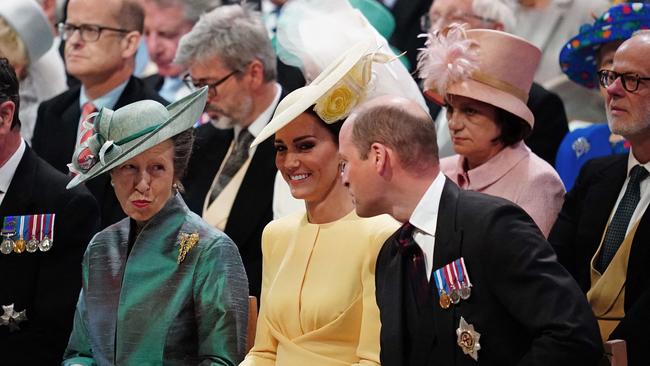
(318, 303)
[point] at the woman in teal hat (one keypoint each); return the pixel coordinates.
(580, 59)
(161, 286)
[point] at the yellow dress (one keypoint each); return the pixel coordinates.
(318, 303)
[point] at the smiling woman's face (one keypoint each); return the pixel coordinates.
(307, 156)
(143, 184)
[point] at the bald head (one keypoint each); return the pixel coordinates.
(400, 124)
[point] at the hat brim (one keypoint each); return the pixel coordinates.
(476, 90)
(578, 56)
(183, 115)
(300, 99)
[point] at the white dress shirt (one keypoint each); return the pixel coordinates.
(425, 220)
(8, 170)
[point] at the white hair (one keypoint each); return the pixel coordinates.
(503, 11)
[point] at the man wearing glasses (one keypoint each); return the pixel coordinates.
(550, 119)
(101, 39)
(602, 233)
(227, 183)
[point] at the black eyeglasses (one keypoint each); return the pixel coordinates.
(87, 32)
(212, 87)
(630, 81)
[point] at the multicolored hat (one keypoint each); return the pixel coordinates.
(578, 56)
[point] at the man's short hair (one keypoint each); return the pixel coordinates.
(131, 16)
(9, 88)
(412, 134)
(233, 33)
(192, 9)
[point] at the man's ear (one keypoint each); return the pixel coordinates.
(7, 111)
(255, 72)
(130, 44)
(379, 154)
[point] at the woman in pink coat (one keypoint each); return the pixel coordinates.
(485, 90)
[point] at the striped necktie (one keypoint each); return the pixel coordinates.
(233, 163)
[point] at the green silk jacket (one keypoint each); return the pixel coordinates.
(146, 308)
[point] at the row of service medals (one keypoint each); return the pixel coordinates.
(453, 286)
(27, 233)
(453, 283)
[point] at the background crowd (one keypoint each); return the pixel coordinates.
(163, 160)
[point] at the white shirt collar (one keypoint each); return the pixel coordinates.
(8, 170)
(632, 162)
(425, 215)
(258, 124)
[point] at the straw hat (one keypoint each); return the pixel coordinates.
(122, 134)
(487, 65)
(30, 23)
(344, 65)
(578, 56)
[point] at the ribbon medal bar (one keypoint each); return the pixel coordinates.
(8, 231)
(443, 288)
(27, 233)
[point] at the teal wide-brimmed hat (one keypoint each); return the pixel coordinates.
(578, 56)
(122, 134)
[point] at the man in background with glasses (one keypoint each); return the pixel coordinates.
(101, 39)
(603, 230)
(230, 185)
(550, 119)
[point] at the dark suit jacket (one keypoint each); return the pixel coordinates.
(551, 124)
(55, 137)
(45, 284)
(527, 308)
(407, 15)
(253, 206)
(576, 236)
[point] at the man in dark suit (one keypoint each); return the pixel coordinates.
(469, 279)
(602, 232)
(228, 50)
(41, 286)
(102, 37)
(550, 117)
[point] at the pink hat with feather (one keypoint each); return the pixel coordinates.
(487, 65)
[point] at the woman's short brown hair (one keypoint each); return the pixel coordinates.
(513, 129)
(182, 151)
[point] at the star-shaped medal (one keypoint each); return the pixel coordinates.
(11, 318)
(468, 339)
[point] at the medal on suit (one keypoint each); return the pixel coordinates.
(19, 245)
(11, 318)
(48, 233)
(463, 278)
(35, 231)
(468, 339)
(443, 289)
(8, 231)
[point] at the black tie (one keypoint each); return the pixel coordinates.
(415, 264)
(617, 228)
